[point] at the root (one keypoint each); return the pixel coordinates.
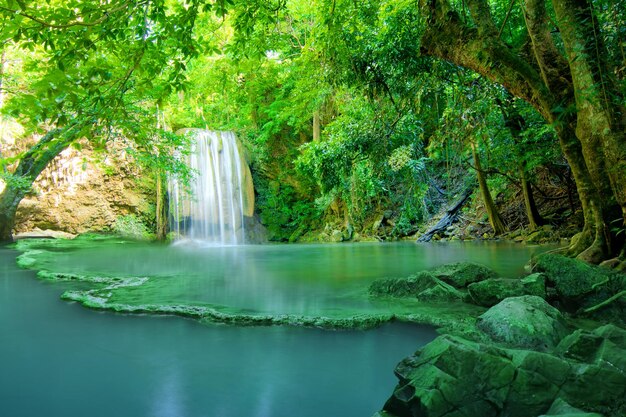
(605, 302)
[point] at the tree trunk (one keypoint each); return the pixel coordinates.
(492, 212)
(161, 206)
(30, 166)
(452, 213)
(534, 218)
(9, 200)
(316, 126)
(599, 126)
(592, 243)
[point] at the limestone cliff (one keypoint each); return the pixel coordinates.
(86, 190)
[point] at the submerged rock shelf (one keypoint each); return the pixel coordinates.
(104, 290)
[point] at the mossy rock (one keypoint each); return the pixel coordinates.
(423, 286)
(575, 286)
(534, 284)
(562, 409)
(491, 291)
(452, 376)
(403, 287)
(570, 278)
(524, 322)
(461, 274)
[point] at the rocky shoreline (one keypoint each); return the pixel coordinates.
(522, 357)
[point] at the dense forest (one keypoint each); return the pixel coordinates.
(362, 119)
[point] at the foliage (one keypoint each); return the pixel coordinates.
(396, 126)
(131, 227)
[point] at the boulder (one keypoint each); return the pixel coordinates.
(491, 291)
(534, 284)
(563, 409)
(569, 277)
(422, 285)
(577, 287)
(452, 376)
(461, 274)
(524, 322)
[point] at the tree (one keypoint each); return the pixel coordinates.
(572, 90)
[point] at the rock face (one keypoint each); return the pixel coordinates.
(84, 191)
(452, 376)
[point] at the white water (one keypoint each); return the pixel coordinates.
(210, 209)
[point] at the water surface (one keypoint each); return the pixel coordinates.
(58, 359)
(307, 280)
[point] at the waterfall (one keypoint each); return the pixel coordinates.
(211, 207)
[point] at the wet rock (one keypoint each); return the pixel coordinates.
(423, 286)
(570, 278)
(491, 291)
(577, 287)
(461, 274)
(563, 409)
(534, 284)
(524, 322)
(403, 287)
(452, 376)
(444, 283)
(49, 234)
(336, 236)
(441, 292)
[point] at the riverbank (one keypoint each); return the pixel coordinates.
(523, 356)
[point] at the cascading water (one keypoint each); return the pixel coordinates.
(211, 207)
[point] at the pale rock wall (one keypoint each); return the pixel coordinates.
(82, 191)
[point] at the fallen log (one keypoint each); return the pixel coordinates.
(450, 217)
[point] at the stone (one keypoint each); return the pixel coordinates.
(563, 409)
(441, 292)
(491, 291)
(403, 287)
(524, 322)
(575, 286)
(336, 236)
(461, 274)
(78, 192)
(423, 286)
(538, 236)
(534, 284)
(570, 278)
(49, 234)
(452, 376)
